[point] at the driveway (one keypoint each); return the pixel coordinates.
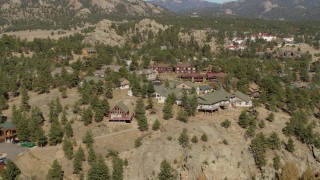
(12, 150)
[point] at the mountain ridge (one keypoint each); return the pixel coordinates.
(182, 5)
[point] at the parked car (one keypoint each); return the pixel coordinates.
(27, 144)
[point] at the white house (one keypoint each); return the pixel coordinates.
(265, 36)
(124, 84)
(241, 100)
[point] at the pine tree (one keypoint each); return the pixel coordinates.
(150, 103)
(166, 171)
(276, 162)
(88, 139)
(150, 89)
(68, 149)
(182, 116)
(184, 138)
(108, 90)
(91, 155)
(274, 141)
(38, 115)
(290, 145)
(117, 166)
(42, 139)
(55, 133)
(99, 170)
(64, 118)
(143, 123)
(58, 105)
(194, 139)
(167, 110)
(144, 91)
(77, 161)
(56, 172)
(22, 126)
(156, 125)
(68, 130)
(25, 107)
(204, 137)
(140, 115)
(87, 116)
(11, 172)
(270, 117)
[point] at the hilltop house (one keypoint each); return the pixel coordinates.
(185, 68)
(58, 70)
(194, 77)
(124, 83)
(7, 132)
(214, 101)
(99, 73)
(162, 92)
(88, 51)
(241, 100)
(120, 113)
(216, 76)
(162, 68)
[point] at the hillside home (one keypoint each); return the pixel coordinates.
(58, 70)
(120, 113)
(162, 92)
(7, 132)
(187, 85)
(204, 89)
(265, 36)
(88, 51)
(241, 100)
(124, 83)
(254, 90)
(194, 77)
(162, 68)
(185, 68)
(99, 73)
(62, 58)
(214, 101)
(216, 76)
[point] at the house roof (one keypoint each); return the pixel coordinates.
(184, 65)
(93, 78)
(215, 97)
(123, 107)
(58, 70)
(7, 125)
(205, 87)
(242, 96)
(124, 82)
(190, 84)
(162, 65)
(163, 91)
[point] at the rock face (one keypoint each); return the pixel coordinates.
(68, 13)
(106, 33)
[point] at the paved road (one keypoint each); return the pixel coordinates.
(12, 150)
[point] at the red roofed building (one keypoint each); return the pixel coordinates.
(162, 68)
(216, 76)
(194, 77)
(185, 68)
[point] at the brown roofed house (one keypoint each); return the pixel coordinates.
(88, 51)
(254, 90)
(162, 68)
(120, 113)
(7, 132)
(185, 68)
